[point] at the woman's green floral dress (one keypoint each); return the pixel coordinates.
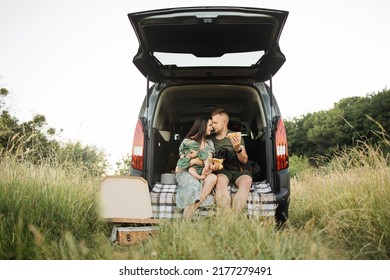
(189, 188)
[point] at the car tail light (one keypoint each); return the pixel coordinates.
(281, 146)
(138, 147)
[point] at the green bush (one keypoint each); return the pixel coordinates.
(298, 164)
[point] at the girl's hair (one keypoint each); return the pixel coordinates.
(198, 129)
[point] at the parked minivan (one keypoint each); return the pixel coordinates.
(196, 59)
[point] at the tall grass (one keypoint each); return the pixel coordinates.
(225, 238)
(347, 202)
(44, 210)
(339, 211)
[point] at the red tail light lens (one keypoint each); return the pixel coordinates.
(281, 146)
(138, 147)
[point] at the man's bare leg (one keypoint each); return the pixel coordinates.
(244, 184)
(222, 194)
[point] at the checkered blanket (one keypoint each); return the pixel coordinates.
(261, 201)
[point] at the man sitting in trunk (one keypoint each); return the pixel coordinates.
(241, 178)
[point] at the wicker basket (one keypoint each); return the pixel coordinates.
(134, 235)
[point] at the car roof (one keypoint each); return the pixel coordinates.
(208, 32)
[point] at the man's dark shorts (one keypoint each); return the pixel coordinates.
(233, 175)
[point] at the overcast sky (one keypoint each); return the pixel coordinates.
(71, 61)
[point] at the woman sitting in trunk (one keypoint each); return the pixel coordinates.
(192, 192)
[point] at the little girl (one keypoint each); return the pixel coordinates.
(190, 149)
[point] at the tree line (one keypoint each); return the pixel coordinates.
(353, 119)
(34, 141)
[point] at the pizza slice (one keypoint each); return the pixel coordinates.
(216, 162)
(231, 134)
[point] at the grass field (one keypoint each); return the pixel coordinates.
(338, 211)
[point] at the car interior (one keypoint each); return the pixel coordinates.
(175, 115)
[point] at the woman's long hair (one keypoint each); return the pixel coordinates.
(198, 129)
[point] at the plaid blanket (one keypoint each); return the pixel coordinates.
(261, 201)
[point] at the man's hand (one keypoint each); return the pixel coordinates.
(236, 141)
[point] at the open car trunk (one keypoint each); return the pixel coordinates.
(174, 116)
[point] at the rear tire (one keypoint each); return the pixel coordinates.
(281, 215)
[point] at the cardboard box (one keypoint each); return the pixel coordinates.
(125, 197)
(134, 235)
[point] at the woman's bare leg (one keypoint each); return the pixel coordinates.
(208, 185)
(189, 211)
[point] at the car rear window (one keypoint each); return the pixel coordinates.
(243, 59)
